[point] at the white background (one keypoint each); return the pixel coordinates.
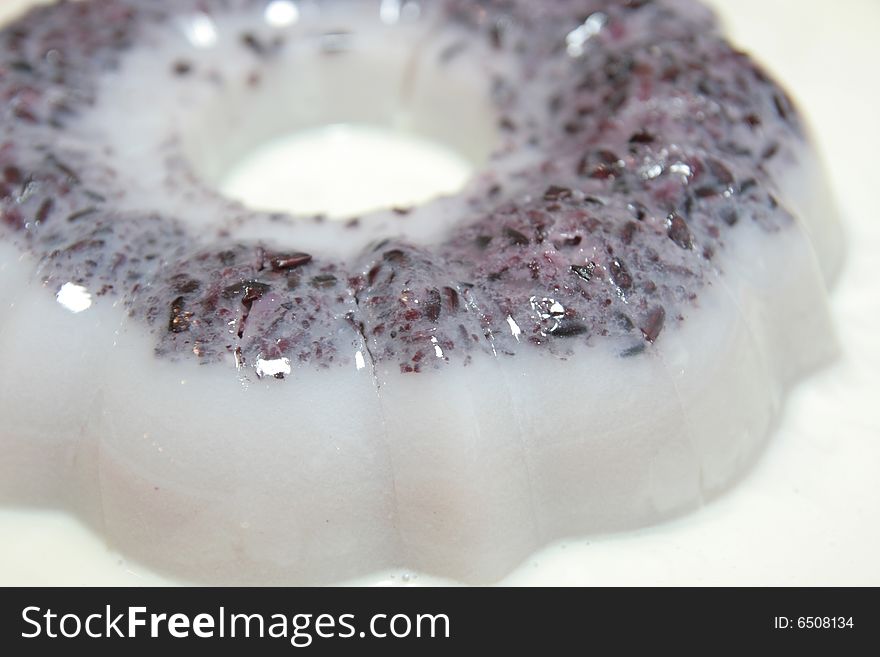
(809, 512)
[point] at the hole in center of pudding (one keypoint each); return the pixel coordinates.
(346, 170)
(372, 124)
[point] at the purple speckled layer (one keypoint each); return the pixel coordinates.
(656, 141)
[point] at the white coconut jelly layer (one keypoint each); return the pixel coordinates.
(342, 63)
(342, 472)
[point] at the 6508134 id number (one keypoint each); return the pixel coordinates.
(813, 622)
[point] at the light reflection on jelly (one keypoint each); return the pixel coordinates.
(681, 169)
(201, 31)
(578, 37)
(277, 367)
(74, 297)
(281, 13)
(389, 11)
(515, 330)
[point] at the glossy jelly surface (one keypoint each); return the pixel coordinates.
(596, 333)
